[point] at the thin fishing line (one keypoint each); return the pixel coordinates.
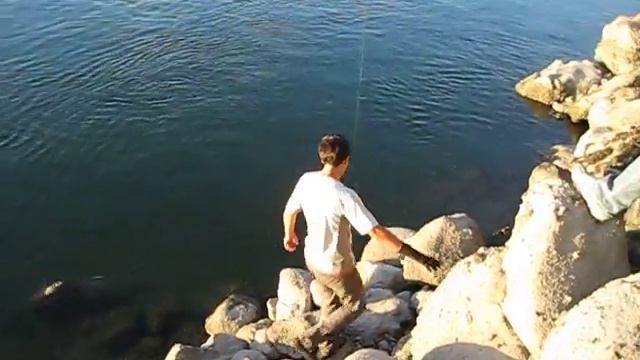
(356, 117)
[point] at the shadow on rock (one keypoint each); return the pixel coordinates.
(466, 351)
(634, 250)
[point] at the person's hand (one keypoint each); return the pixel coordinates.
(429, 262)
(291, 242)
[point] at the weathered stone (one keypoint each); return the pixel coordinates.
(611, 90)
(405, 296)
(375, 251)
(420, 299)
(249, 355)
(632, 217)
(225, 345)
(466, 308)
(381, 275)
(470, 351)
(185, 352)
(402, 350)
(294, 293)
(248, 332)
(369, 354)
(271, 308)
(381, 318)
(377, 294)
(448, 239)
(603, 326)
(262, 344)
(618, 111)
(557, 254)
(284, 334)
(233, 313)
(619, 48)
(560, 81)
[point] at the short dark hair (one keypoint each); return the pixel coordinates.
(333, 149)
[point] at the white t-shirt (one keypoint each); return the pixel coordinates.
(329, 206)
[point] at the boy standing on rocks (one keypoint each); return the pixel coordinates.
(330, 209)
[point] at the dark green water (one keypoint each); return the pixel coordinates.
(154, 143)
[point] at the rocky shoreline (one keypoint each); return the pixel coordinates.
(560, 288)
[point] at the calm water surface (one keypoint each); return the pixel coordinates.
(154, 143)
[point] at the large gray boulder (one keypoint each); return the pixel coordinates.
(557, 255)
(604, 326)
(185, 352)
(381, 275)
(233, 313)
(294, 293)
(382, 318)
(466, 308)
(375, 251)
(448, 239)
(225, 344)
(220, 347)
(561, 81)
(369, 354)
(249, 355)
(619, 48)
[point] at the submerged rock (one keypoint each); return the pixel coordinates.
(619, 48)
(232, 314)
(294, 293)
(557, 255)
(72, 300)
(561, 81)
(375, 251)
(447, 238)
(603, 326)
(466, 308)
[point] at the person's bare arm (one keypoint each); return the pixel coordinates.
(290, 238)
(386, 237)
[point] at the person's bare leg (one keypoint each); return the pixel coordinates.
(348, 289)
